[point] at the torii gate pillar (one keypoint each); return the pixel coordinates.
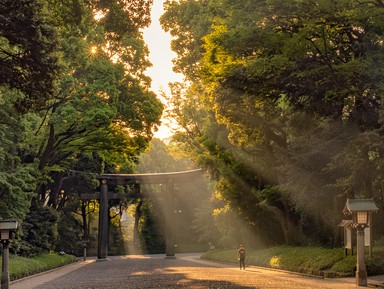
(170, 221)
(102, 250)
(128, 179)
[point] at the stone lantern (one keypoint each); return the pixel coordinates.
(361, 211)
(7, 230)
(347, 226)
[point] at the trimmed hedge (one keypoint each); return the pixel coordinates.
(318, 261)
(20, 267)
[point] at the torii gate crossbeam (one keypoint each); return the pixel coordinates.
(169, 179)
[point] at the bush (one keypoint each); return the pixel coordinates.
(325, 262)
(20, 267)
(39, 232)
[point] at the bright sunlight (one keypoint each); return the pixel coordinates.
(161, 57)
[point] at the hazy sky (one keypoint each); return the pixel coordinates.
(161, 57)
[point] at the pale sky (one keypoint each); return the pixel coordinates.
(161, 57)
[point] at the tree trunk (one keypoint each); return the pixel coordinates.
(368, 177)
(292, 235)
(84, 219)
(136, 232)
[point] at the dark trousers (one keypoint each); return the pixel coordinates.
(242, 263)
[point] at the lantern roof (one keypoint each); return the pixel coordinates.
(8, 224)
(346, 223)
(359, 205)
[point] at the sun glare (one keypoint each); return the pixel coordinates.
(93, 50)
(161, 57)
(99, 15)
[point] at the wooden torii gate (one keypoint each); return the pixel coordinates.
(167, 179)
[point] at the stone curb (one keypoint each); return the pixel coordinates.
(370, 283)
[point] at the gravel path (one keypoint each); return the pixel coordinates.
(186, 271)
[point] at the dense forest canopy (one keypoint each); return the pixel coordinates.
(75, 97)
(283, 107)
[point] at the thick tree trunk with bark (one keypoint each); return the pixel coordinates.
(292, 235)
(136, 232)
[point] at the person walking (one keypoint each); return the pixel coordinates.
(241, 257)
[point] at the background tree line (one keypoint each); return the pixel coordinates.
(74, 97)
(282, 105)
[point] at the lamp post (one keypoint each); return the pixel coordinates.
(84, 241)
(7, 229)
(361, 221)
(360, 211)
(177, 212)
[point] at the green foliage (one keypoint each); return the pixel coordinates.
(18, 174)
(187, 38)
(103, 106)
(69, 232)
(77, 73)
(188, 197)
(204, 225)
(159, 159)
(28, 57)
(151, 230)
(20, 267)
(283, 96)
(16, 191)
(39, 230)
(309, 260)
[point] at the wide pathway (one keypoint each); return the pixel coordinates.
(186, 271)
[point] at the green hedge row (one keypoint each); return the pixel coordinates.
(20, 267)
(309, 260)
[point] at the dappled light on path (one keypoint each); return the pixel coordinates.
(186, 271)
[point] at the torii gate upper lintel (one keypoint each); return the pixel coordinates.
(152, 178)
(169, 179)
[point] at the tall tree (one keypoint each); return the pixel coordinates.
(79, 68)
(298, 88)
(103, 103)
(18, 174)
(28, 53)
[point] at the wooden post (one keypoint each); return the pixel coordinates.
(5, 266)
(370, 235)
(170, 222)
(84, 251)
(361, 271)
(102, 251)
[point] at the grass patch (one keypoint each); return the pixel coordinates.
(309, 260)
(20, 267)
(191, 248)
